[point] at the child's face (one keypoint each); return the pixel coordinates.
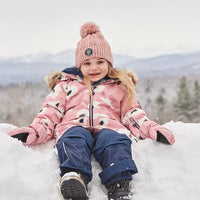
(94, 68)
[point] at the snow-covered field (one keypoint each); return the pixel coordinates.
(165, 172)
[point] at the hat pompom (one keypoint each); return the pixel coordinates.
(89, 28)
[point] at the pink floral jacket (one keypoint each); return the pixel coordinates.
(70, 104)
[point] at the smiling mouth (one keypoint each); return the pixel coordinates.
(94, 74)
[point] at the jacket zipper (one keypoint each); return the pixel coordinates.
(91, 105)
(91, 109)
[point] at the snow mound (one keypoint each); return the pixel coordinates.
(165, 172)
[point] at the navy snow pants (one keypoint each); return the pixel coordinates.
(111, 149)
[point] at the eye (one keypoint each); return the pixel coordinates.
(86, 63)
(100, 61)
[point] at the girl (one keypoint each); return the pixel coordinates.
(92, 109)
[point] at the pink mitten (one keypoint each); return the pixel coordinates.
(25, 134)
(156, 132)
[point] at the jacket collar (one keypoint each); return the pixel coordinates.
(73, 71)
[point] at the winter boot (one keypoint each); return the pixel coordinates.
(73, 186)
(119, 191)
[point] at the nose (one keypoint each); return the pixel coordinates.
(93, 67)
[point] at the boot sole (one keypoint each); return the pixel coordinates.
(73, 189)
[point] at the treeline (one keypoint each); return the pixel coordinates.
(187, 104)
(164, 99)
(20, 103)
(180, 103)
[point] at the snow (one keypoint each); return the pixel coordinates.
(165, 172)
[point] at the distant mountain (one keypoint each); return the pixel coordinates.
(36, 67)
(174, 64)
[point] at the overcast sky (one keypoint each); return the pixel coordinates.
(141, 28)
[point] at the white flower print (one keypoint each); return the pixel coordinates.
(56, 91)
(107, 101)
(71, 91)
(102, 120)
(82, 117)
(100, 88)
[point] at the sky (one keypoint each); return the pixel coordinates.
(141, 28)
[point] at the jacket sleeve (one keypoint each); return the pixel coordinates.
(52, 112)
(136, 120)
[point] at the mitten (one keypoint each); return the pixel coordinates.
(149, 129)
(25, 134)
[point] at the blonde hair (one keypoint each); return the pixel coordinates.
(128, 81)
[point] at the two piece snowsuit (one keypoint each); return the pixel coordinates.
(88, 125)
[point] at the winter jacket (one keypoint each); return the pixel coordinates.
(70, 104)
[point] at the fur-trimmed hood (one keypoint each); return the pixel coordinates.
(56, 76)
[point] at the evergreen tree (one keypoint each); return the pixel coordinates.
(160, 108)
(160, 101)
(183, 106)
(196, 101)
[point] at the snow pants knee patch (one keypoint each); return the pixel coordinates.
(74, 151)
(113, 151)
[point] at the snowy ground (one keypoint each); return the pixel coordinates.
(165, 172)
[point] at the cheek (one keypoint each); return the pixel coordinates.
(105, 70)
(84, 71)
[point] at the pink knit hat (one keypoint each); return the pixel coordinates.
(92, 45)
